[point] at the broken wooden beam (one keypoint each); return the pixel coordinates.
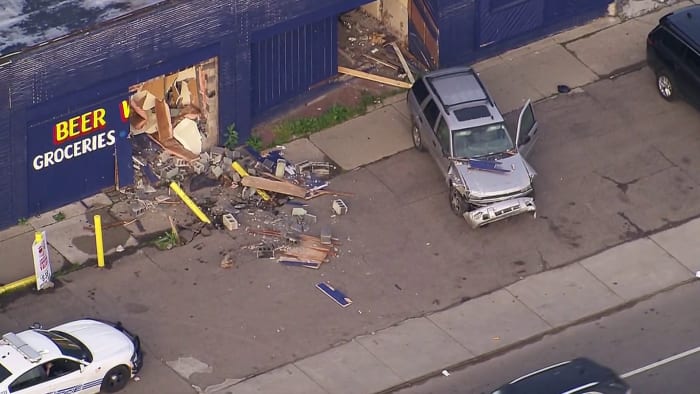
(274, 186)
(403, 62)
(375, 78)
(382, 62)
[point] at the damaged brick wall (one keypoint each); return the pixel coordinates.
(72, 73)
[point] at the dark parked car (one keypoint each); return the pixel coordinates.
(673, 52)
(578, 376)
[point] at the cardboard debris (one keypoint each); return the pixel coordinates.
(187, 133)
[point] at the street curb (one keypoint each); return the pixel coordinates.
(17, 285)
(532, 339)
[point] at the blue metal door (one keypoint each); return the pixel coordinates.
(501, 20)
(288, 63)
(76, 154)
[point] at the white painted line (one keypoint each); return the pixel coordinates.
(660, 363)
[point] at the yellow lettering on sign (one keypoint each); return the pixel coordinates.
(125, 110)
(75, 126)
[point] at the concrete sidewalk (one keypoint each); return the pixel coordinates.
(422, 347)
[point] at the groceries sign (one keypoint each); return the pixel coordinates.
(80, 135)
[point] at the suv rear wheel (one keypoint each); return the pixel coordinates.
(666, 85)
(417, 140)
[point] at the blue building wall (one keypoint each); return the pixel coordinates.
(470, 30)
(60, 78)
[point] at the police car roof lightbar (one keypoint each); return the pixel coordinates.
(27, 351)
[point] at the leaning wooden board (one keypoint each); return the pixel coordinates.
(274, 186)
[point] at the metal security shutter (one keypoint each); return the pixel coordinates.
(286, 64)
(501, 20)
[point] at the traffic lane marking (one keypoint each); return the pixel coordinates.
(661, 362)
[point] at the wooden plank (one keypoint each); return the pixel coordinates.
(375, 78)
(403, 62)
(382, 62)
(305, 253)
(274, 186)
(165, 125)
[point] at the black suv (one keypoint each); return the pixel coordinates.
(578, 376)
(673, 52)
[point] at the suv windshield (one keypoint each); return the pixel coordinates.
(68, 345)
(4, 373)
(481, 141)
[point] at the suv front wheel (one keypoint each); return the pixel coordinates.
(457, 203)
(666, 85)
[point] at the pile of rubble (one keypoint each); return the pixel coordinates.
(261, 192)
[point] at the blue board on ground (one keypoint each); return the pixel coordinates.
(336, 295)
(305, 264)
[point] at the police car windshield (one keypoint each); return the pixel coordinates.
(4, 373)
(68, 345)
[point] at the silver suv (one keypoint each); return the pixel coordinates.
(456, 119)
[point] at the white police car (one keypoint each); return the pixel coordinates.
(84, 356)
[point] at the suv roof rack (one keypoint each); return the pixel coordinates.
(467, 71)
(27, 351)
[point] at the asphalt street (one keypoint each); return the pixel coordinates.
(628, 340)
(608, 157)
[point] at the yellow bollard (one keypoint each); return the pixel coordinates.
(242, 172)
(18, 284)
(188, 201)
(99, 246)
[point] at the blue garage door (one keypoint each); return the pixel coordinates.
(288, 63)
(501, 20)
(78, 153)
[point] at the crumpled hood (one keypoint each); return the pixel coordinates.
(485, 184)
(103, 340)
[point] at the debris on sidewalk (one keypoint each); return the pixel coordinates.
(263, 192)
(336, 295)
(226, 261)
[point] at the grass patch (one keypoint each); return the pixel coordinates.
(302, 127)
(166, 241)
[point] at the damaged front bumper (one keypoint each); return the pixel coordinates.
(499, 210)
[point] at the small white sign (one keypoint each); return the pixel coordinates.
(42, 266)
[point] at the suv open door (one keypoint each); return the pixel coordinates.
(526, 135)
